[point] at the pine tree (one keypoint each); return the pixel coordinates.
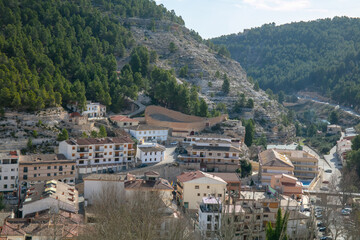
(226, 85)
(279, 233)
(249, 133)
(102, 132)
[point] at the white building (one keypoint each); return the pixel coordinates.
(100, 155)
(148, 133)
(209, 216)
(52, 195)
(151, 153)
(94, 110)
(9, 170)
(96, 185)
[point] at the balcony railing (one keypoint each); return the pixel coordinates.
(82, 158)
(79, 150)
(99, 156)
(99, 149)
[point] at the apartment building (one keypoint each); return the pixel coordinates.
(212, 155)
(148, 133)
(45, 167)
(100, 155)
(52, 195)
(305, 164)
(273, 163)
(9, 170)
(151, 153)
(193, 186)
(287, 185)
(210, 211)
(343, 146)
(193, 139)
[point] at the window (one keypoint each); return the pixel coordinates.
(209, 217)
(196, 186)
(105, 146)
(5, 186)
(219, 195)
(6, 161)
(60, 168)
(219, 154)
(5, 177)
(25, 177)
(257, 217)
(71, 172)
(73, 167)
(48, 167)
(81, 162)
(12, 185)
(96, 160)
(73, 148)
(210, 154)
(13, 169)
(110, 147)
(48, 174)
(198, 194)
(208, 187)
(12, 177)
(208, 227)
(204, 194)
(217, 218)
(55, 174)
(34, 175)
(116, 159)
(55, 167)
(35, 168)
(73, 154)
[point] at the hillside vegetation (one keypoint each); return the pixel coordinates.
(56, 52)
(321, 55)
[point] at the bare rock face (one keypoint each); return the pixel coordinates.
(202, 64)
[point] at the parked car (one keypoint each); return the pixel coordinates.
(324, 189)
(345, 212)
(328, 171)
(322, 229)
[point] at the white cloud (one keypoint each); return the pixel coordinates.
(279, 5)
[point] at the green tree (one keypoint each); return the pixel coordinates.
(172, 47)
(203, 109)
(2, 204)
(355, 143)
(246, 168)
(29, 144)
(281, 97)
(256, 86)
(226, 85)
(217, 74)
(249, 132)
(334, 117)
(279, 233)
(311, 130)
(84, 135)
(63, 135)
(102, 132)
(183, 71)
(35, 134)
(262, 141)
(250, 103)
(2, 112)
(93, 134)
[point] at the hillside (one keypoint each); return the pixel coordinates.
(321, 55)
(57, 52)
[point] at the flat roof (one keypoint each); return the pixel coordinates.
(45, 158)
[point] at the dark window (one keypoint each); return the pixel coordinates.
(35, 168)
(25, 169)
(72, 167)
(54, 174)
(49, 167)
(34, 175)
(209, 218)
(55, 167)
(60, 168)
(25, 177)
(48, 174)
(13, 161)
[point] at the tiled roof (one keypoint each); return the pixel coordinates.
(44, 158)
(144, 127)
(188, 176)
(93, 141)
(121, 118)
(109, 177)
(272, 158)
(151, 149)
(214, 148)
(75, 114)
(140, 184)
(227, 177)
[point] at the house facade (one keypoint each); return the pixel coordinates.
(151, 153)
(148, 133)
(123, 121)
(210, 211)
(9, 169)
(94, 110)
(287, 185)
(100, 155)
(45, 167)
(193, 186)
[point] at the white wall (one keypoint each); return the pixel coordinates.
(9, 175)
(95, 188)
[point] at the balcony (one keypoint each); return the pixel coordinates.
(99, 149)
(119, 148)
(82, 150)
(82, 157)
(99, 156)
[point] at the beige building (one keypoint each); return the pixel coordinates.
(217, 155)
(123, 121)
(287, 185)
(305, 164)
(193, 186)
(273, 163)
(45, 167)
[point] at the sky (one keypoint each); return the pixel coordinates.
(213, 18)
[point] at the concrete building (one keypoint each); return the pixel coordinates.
(45, 167)
(273, 163)
(95, 185)
(333, 129)
(100, 155)
(94, 110)
(9, 170)
(305, 164)
(52, 195)
(212, 155)
(148, 133)
(193, 186)
(123, 121)
(180, 124)
(210, 211)
(151, 153)
(287, 185)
